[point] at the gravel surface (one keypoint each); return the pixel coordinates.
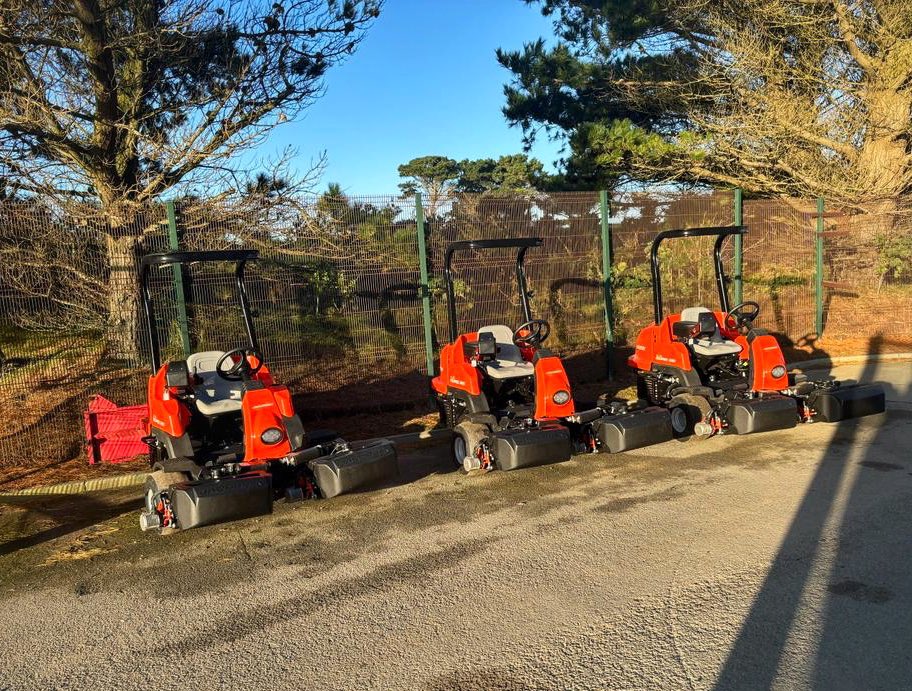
(780, 560)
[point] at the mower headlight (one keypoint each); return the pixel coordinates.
(272, 435)
(778, 371)
(561, 397)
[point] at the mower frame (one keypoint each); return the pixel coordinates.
(768, 398)
(184, 491)
(240, 257)
(554, 431)
(721, 233)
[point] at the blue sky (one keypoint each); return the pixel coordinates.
(424, 81)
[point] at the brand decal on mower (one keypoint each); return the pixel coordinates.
(454, 380)
(262, 405)
(662, 358)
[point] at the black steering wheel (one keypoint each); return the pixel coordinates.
(738, 317)
(536, 331)
(240, 369)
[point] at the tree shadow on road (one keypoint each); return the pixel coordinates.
(792, 587)
(863, 638)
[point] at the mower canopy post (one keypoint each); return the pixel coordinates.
(720, 232)
(160, 259)
(521, 244)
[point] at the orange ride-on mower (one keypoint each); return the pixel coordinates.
(718, 373)
(508, 400)
(223, 437)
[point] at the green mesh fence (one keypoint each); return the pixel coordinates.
(867, 274)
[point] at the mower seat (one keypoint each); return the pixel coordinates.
(509, 363)
(214, 395)
(709, 343)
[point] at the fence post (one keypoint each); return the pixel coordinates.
(425, 288)
(818, 283)
(180, 298)
(739, 247)
(604, 213)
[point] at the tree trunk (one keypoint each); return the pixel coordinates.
(122, 332)
(881, 172)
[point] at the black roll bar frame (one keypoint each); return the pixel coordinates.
(521, 244)
(720, 232)
(160, 259)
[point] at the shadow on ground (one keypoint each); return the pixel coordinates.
(27, 521)
(853, 649)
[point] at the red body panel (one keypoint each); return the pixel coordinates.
(765, 354)
(264, 376)
(550, 377)
(262, 409)
(656, 345)
(456, 369)
(165, 412)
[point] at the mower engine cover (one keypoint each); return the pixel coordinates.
(634, 430)
(204, 502)
(348, 471)
(846, 402)
(548, 442)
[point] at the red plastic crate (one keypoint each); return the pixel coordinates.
(114, 433)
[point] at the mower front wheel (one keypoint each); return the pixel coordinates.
(466, 438)
(157, 482)
(687, 411)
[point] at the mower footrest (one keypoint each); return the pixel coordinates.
(762, 414)
(846, 402)
(204, 502)
(549, 443)
(353, 470)
(634, 430)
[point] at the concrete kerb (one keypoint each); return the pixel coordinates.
(82, 486)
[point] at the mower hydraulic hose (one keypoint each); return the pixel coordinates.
(255, 468)
(582, 417)
(304, 455)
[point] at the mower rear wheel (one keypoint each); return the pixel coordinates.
(695, 409)
(466, 438)
(156, 483)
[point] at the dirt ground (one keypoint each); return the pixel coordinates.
(778, 561)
